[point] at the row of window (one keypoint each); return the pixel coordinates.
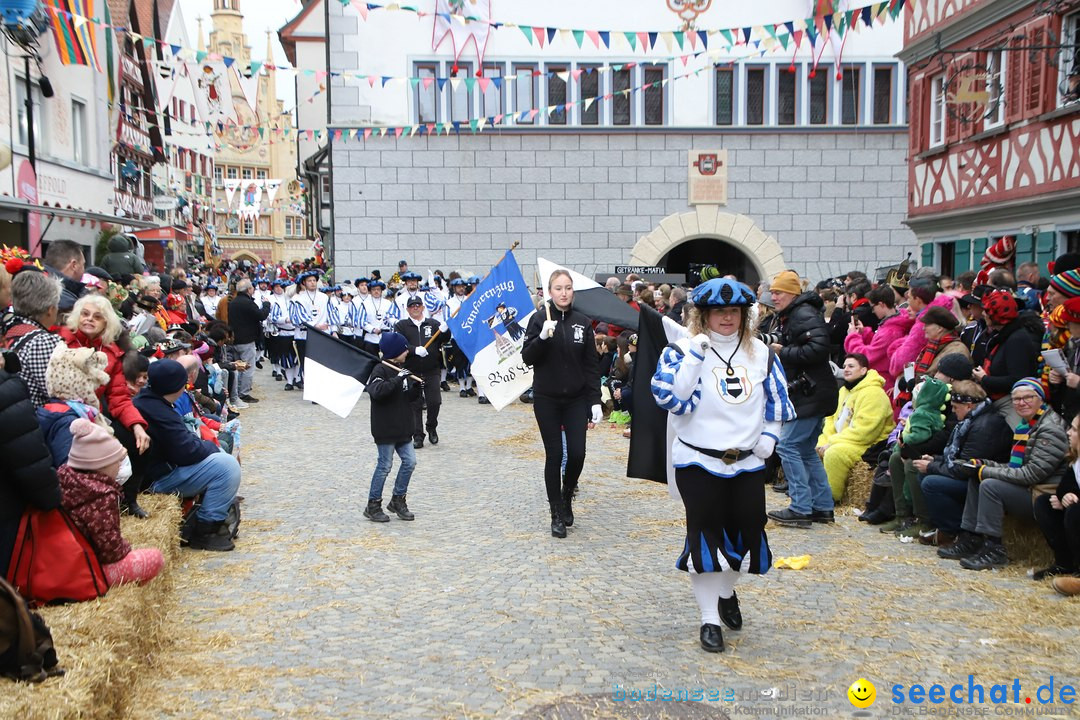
(743, 94)
(294, 225)
(80, 131)
(1015, 82)
(234, 172)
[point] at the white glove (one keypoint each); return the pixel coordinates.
(700, 343)
(443, 327)
(597, 415)
(548, 329)
(403, 372)
(420, 351)
(764, 448)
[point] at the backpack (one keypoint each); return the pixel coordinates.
(26, 647)
(53, 561)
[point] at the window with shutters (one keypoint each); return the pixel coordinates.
(556, 93)
(1035, 77)
(883, 94)
(725, 96)
(995, 64)
(786, 101)
(819, 98)
(1069, 71)
(937, 110)
(755, 96)
(653, 82)
(589, 94)
(1014, 83)
(916, 115)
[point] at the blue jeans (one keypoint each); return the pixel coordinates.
(217, 478)
(386, 461)
(944, 498)
(808, 485)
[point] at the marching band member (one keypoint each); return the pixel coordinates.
(411, 290)
(282, 350)
(377, 315)
(308, 306)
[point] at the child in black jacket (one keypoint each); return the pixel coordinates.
(392, 394)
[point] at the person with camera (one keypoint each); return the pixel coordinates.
(727, 396)
(803, 350)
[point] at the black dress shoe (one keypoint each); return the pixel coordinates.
(248, 399)
(1052, 571)
(288, 386)
(444, 386)
(780, 487)
(730, 613)
(877, 516)
(417, 444)
(712, 638)
(279, 378)
(258, 364)
(822, 516)
(483, 400)
(433, 437)
(132, 508)
(790, 518)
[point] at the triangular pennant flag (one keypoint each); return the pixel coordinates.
(484, 84)
(746, 34)
(551, 34)
(679, 37)
(415, 82)
(470, 83)
(528, 32)
(229, 62)
(605, 37)
(473, 125)
(631, 39)
(704, 37)
(784, 40)
(828, 19)
(442, 83)
(579, 36)
(594, 36)
(539, 33)
(427, 82)
(867, 16)
(643, 39)
(790, 27)
(666, 37)
(652, 39)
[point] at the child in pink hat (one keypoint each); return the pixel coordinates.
(91, 495)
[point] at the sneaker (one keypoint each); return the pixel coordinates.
(897, 524)
(1053, 571)
(239, 404)
(790, 518)
(966, 544)
(914, 531)
(249, 399)
(991, 555)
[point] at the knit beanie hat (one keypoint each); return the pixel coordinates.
(1032, 384)
(167, 376)
(939, 316)
(956, 366)
(1000, 306)
(1067, 283)
(92, 447)
(1070, 310)
(392, 344)
(787, 282)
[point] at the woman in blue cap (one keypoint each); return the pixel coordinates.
(727, 398)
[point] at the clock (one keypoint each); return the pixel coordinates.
(232, 224)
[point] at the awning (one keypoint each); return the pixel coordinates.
(163, 234)
(17, 205)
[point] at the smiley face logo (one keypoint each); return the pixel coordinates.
(862, 693)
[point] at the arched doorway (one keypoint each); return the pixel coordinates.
(247, 255)
(730, 241)
(728, 259)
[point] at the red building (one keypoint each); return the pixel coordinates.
(994, 128)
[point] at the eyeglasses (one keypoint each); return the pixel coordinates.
(1025, 399)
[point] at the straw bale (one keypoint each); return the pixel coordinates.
(1025, 544)
(103, 644)
(859, 481)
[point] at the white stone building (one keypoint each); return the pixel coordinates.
(816, 166)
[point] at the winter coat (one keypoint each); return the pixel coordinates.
(877, 345)
(55, 418)
(245, 318)
(1013, 352)
(171, 442)
(1066, 400)
(26, 473)
(93, 501)
(805, 354)
(838, 327)
(928, 417)
(391, 405)
(565, 365)
(120, 259)
(114, 396)
(954, 348)
(1044, 458)
(417, 336)
(1068, 483)
(864, 415)
(70, 292)
(982, 435)
(908, 350)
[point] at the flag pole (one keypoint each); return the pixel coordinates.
(512, 248)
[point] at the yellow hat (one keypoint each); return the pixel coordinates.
(787, 282)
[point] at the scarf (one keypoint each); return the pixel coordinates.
(930, 352)
(960, 432)
(1020, 438)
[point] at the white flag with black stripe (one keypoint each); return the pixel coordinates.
(335, 372)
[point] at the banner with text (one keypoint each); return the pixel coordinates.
(490, 329)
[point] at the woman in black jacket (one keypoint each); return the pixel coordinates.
(1012, 352)
(560, 346)
(1058, 515)
(27, 476)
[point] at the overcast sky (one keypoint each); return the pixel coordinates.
(259, 16)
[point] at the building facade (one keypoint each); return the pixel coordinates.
(255, 146)
(995, 129)
(816, 157)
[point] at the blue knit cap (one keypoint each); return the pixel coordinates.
(1032, 384)
(392, 344)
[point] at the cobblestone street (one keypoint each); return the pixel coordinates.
(474, 610)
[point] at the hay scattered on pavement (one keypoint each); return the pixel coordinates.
(104, 644)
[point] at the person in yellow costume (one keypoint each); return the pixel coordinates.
(863, 417)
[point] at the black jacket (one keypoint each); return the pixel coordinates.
(71, 290)
(245, 318)
(1014, 354)
(417, 336)
(391, 405)
(1067, 484)
(988, 438)
(805, 357)
(26, 474)
(172, 444)
(565, 365)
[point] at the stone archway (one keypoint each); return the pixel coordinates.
(246, 255)
(708, 221)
